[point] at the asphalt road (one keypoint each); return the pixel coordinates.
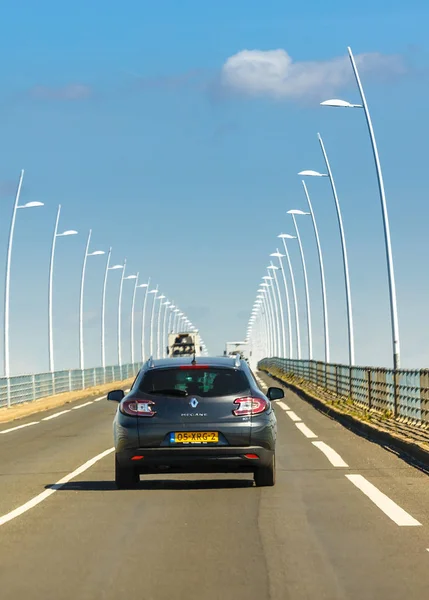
(358, 530)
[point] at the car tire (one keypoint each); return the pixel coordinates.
(266, 476)
(125, 478)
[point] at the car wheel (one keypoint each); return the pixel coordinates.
(125, 479)
(266, 476)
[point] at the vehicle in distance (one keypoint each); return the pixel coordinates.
(184, 344)
(184, 415)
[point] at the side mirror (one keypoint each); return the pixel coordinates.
(116, 395)
(275, 393)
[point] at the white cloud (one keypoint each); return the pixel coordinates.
(273, 73)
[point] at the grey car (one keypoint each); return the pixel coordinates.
(203, 415)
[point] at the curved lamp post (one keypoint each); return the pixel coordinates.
(310, 173)
(82, 285)
(121, 285)
(166, 304)
(16, 206)
(322, 273)
(385, 215)
(158, 333)
(289, 318)
(50, 287)
(307, 293)
(284, 237)
(282, 320)
(143, 336)
(103, 306)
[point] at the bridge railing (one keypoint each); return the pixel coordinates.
(26, 388)
(402, 395)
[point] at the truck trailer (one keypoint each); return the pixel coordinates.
(184, 344)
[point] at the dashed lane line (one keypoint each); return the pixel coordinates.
(293, 416)
(384, 503)
(333, 457)
(82, 405)
(306, 430)
(55, 415)
(283, 405)
(19, 427)
(57, 486)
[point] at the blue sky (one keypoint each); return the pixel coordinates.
(127, 114)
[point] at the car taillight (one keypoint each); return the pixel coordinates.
(137, 408)
(250, 406)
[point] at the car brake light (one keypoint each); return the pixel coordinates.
(250, 406)
(137, 408)
(251, 456)
(186, 367)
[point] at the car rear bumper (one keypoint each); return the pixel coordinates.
(196, 460)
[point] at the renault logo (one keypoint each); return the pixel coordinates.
(194, 403)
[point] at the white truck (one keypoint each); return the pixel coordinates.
(184, 344)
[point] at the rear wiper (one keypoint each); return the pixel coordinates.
(171, 392)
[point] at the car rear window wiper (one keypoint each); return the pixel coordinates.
(167, 392)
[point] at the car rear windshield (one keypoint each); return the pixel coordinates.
(209, 383)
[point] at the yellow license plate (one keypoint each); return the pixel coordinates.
(194, 437)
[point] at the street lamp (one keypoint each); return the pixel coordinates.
(143, 335)
(385, 215)
(7, 282)
(136, 286)
(322, 270)
(103, 306)
(343, 246)
(170, 318)
(273, 299)
(50, 287)
(289, 318)
(270, 313)
(154, 292)
(274, 269)
(284, 237)
(262, 298)
(307, 294)
(166, 304)
(158, 333)
(82, 285)
(121, 285)
(274, 311)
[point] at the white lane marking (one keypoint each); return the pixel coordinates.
(306, 430)
(82, 405)
(100, 398)
(293, 415)
(54, 416)
(283, 405)
(384, 503)
(38, 499)
(333, 457)
(19, 427)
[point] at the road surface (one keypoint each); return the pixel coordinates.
(347, 519)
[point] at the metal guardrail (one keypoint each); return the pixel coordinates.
(26, 388)
(402, 395)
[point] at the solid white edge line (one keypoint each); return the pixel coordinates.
(306, 430)
(38, 499)
(82, 405)
(54, 416)
(19, 427)
(384, 503)
(333, 457)
(283, 405)
(293, 415)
